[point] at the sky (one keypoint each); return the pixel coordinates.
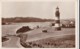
(38, 9)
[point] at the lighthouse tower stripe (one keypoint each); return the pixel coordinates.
(56, 18)
(57, 25)
(57, 21)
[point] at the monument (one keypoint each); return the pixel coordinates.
(57, 19)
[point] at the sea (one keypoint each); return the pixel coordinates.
(12, 28)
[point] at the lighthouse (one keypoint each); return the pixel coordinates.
(57, 19)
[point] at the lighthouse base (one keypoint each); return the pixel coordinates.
(58, 28)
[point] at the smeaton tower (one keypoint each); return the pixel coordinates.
(57, 19)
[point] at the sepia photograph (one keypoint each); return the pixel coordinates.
(38, 24)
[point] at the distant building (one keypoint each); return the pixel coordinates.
(67, 24)
(5, 23)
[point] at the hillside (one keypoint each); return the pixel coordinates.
(26, 19)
